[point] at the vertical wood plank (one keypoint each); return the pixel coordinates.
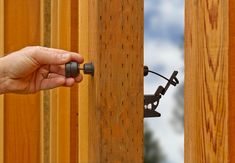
(54, 93)
(2, 28)
(231, 87)
(74, 99)
(45, 95)
(41, 93)
(60, 105)
(207, 97)
(1, 96)
(115, 93)
(64, 93)
(22, 113)
(83, 87)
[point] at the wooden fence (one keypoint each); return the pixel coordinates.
(99, 120)
(209, 81)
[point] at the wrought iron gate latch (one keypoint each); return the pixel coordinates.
(151, 102)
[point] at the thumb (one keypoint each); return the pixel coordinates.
(44, 55)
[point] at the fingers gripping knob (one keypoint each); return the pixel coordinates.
(72, 69)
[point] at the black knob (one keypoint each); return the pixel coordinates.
(146, 70)
(89, 68)
(72, 69)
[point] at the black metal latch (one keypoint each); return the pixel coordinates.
(151, 102)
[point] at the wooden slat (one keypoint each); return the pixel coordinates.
(2, 27)
(64, 93)
(22, 113)
(115, 94)
(60, 105)
(54, 93)
(207, 99)
(83, 87)
(1, 96)
(45, 95)
(74, 101)
(231, 87)
(41, 93)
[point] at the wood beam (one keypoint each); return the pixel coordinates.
(209, 72)
(113, 109)
(231, 79)
(74, 95)
(22, 112)
(45, 30)
(1, 96)
(60, 98)
(83, 87)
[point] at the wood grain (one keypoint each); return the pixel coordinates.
(83, 87)
(115, 110)
(1, 96)
(231, 86)
(206, 81)
(74, 99)
(54, 93)
(22, 113)
(60, 102)
(45, 95)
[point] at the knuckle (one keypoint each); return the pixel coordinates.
(33, 49)
(37, 48)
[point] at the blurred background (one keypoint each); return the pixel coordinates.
(164, 53)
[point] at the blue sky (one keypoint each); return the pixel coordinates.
(164, 29)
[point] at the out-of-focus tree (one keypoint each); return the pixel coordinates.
(152, 149)
(178, 111)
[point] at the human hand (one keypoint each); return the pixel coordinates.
(36, 68)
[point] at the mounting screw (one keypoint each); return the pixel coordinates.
(89, 68)
(146, 70)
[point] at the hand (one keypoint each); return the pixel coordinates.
(36, 68)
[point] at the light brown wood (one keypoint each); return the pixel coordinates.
(83, 87)
(54, 93)
(108, 131)
(115, 93)
(1, 96)
(41, 93)
(60, 105)
(22, 112)
(231, 86)
(207, 96)
(45, 95)
(2, 27)
(74, 97)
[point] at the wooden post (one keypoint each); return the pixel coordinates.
(21, 112)
(45, 30)
(1, 96)
(110, 104)
(60, 101)
(83, 87)
(209, 81)
(114, 43)
(74, 91)
(64, 101)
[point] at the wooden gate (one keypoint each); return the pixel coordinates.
(99, 120)
(209, 81)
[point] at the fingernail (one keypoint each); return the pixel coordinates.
(65, 56)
